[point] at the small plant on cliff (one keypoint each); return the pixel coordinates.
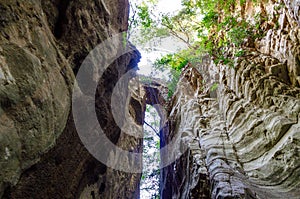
(173, 63)
(214, 87)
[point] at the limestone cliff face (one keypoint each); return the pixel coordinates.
(42, 45)
(241, 139)
(36, 81)
(237, 140)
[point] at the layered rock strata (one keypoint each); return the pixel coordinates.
(231, 132)
(241, 138)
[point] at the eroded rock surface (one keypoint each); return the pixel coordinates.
(42, 46)
(35, 88)
(239, 139)
(242, 138)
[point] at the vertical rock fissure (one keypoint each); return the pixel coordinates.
(151, 155)
(61, 18)
(154, 96)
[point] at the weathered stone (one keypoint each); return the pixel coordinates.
(248, 130)
(240, 140)
(42, 46)
(35, 89)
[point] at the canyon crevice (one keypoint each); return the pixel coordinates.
(240, 139)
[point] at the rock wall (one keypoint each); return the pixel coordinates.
(241, 138)
(237, 140)
(42, 45)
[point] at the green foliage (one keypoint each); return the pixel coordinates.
(206, 26)
(237, 35)
(172, 84)
(124, 39)
(228, 34)
(240, 53)
(210, 19)
(174, 63)
(203, 5)
(214, 87)
(143, 21)
(280, 6)
(144, 15)
(242, 2)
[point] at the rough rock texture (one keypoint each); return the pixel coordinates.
(42, 45)
(241, 140)
(35, 85)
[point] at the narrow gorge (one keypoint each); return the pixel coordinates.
(230, 130)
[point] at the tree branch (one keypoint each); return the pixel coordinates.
(152, 128)
(179, 37)
(131, 21)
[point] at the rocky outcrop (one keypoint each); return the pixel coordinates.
(230, 132)
(241, 138)
(42, 46)
(35, 91)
